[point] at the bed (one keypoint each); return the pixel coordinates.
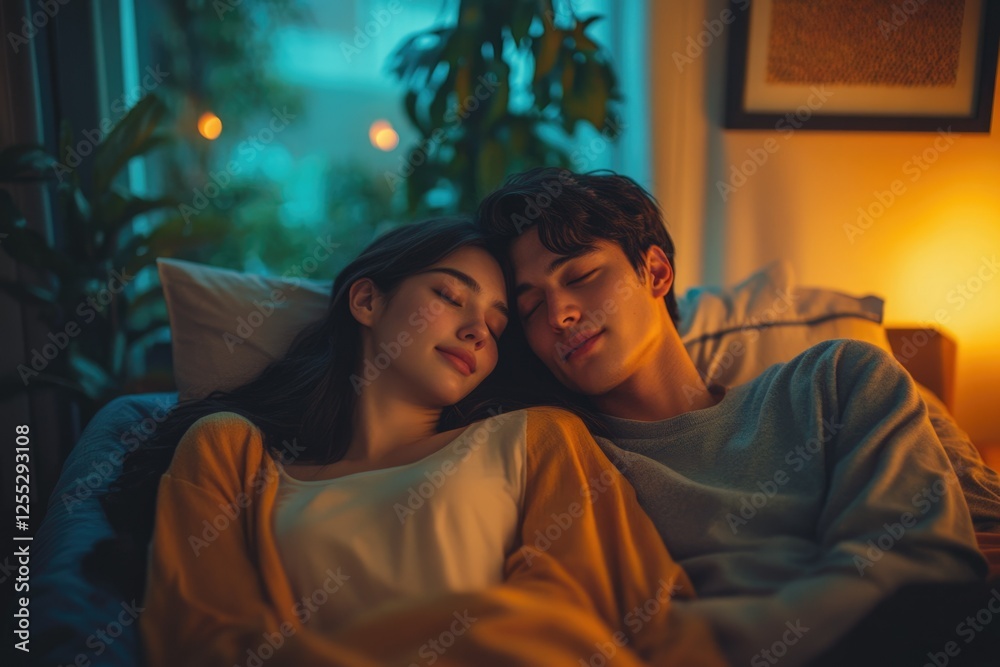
(731, 333)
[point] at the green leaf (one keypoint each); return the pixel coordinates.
(130, 137)
(118, 208)
(546, 50)
(490, 167)
(496, 104)
(173, 237)
(580, 39)
(93, 379)
(410, 104)
(588, 98)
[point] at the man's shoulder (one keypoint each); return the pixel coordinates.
(839, 356)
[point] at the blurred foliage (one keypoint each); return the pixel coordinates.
(88, 297)
(461, 81)
(218, 54)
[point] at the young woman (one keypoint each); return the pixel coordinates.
(357, 503)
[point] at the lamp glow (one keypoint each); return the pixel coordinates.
(209, 125)
(382, 135)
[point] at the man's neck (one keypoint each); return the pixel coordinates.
(665, 386)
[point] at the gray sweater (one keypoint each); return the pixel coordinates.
(801, 499)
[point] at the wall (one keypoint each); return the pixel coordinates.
(929, 249)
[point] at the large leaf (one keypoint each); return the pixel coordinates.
(546, 50)
(130, 137)
(582, 42)
(489, 167)
(414, 59)
(171, 238)
(587, 99)
(91, 377)
(118, 208)
(496, 104)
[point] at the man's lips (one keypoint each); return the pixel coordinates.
(579, 341)
(462, 359)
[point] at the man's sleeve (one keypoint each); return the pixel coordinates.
(893, 514)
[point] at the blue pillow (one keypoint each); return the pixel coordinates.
(76, 621)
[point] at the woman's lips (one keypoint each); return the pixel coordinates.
(456, 361)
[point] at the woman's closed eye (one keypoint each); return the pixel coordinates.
(454, 301)
(449, 298)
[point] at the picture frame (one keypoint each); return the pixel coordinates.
(772, 83)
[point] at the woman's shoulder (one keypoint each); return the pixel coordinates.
(222, 421)
(220, 437)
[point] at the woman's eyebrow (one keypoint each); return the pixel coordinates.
(472, 284)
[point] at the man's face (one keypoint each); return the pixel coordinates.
(589, 317)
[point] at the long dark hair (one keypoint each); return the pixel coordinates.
(305, 398)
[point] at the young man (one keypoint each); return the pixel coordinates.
(797, 502)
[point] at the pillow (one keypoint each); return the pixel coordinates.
(732, 334)
(226, 326)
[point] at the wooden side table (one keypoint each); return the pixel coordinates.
(991, 454)
(929, 355)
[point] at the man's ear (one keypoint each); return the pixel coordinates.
(365, 301)
(659, 270)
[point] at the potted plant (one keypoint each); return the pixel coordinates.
(94, 313)
(502, 90)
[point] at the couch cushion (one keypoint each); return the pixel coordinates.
(76, 621)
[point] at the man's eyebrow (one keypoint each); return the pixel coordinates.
(472, 284)
(521, 288)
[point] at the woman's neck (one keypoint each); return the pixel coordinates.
(385, 425)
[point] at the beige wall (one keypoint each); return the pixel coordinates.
(938, 231)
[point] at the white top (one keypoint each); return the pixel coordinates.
(443, 523)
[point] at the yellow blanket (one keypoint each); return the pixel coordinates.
(596, 591)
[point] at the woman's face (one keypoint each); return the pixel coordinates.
(436, 335)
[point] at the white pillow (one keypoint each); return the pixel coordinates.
(732, 334)
(227, 326)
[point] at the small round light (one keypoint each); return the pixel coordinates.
(209, 125)
(382, 135)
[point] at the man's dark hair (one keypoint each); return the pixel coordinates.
(574, 211)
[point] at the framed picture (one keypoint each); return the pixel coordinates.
(909, 65)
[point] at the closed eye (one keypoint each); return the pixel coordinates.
(447, 298)
(583, 277)
(531, 312)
